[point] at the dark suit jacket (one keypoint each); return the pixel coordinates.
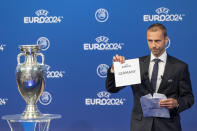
(175, 84)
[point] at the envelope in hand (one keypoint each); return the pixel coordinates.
(151, 108)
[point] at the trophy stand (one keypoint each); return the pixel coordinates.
(41, 123)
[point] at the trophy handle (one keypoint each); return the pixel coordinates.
(18, 58)
(42, 57)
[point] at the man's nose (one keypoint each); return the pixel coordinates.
(154, 44)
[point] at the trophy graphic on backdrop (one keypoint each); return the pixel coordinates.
(30, 78)
(31, 83)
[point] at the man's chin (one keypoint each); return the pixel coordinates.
(156, 53)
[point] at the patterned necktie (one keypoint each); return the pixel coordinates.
(155, 74)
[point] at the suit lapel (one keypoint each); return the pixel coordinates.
(167, 73)
(144, 72)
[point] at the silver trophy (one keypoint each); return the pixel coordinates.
(30, 79)
(31, 83)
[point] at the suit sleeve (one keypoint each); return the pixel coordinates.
(110, 83)
(186, 97)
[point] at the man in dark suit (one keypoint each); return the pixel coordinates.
(160, 73)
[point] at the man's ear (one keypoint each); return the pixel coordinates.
(166, 39)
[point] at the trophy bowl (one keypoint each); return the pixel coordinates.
(30, 79)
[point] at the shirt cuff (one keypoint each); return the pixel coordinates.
(112, 71)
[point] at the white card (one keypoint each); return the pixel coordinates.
(127, 73)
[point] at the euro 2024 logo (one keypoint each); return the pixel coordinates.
(42, 18)
(54, 74)
(101, 15)
(103, 43)
(3, 101)
(163, 15)
(104, 99)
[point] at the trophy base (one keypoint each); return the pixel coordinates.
(39, 124)
(31, 112)
(41, 118)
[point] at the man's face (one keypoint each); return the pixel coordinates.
(156, 42)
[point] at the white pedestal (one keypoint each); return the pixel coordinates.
(41, 123)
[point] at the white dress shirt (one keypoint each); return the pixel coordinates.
(161, 68)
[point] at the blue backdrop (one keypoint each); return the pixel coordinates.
(79, 39)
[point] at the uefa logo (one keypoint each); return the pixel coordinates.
(45, 98)
(103, 94)
(44, 43)
(162, 10)
(2, 46)
(102, 70)
(101, 15)
(168, 44)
